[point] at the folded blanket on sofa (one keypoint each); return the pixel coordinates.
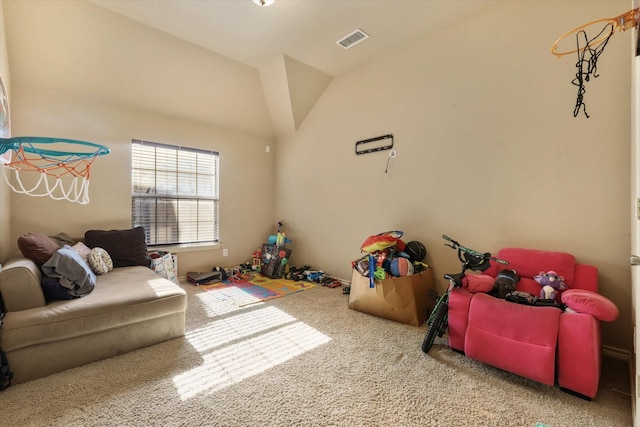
(74, 273)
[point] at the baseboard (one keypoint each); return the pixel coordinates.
(616, 352)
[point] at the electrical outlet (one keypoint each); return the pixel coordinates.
(225, 252)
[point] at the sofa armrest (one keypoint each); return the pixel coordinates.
(579, 357)
(587, 302)
(459, 302)
(20, 285)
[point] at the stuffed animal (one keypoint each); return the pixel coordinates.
(551, 283)
(505, 282)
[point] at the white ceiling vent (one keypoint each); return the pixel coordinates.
(353, 39)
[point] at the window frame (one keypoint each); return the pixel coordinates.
(200, 199)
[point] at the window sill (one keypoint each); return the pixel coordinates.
(187, 247)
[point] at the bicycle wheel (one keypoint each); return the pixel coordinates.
(436, 326)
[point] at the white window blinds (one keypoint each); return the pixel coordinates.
(174, 193)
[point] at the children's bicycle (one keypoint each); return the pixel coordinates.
(471, 260)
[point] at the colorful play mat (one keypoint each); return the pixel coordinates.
(255, 288)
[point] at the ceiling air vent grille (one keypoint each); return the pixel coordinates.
(353, 39)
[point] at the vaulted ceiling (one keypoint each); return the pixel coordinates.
(229, 63)
(293, 43)
(306, 30)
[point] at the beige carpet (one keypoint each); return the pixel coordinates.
(301, 360)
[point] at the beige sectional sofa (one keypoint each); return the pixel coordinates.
(129, 308)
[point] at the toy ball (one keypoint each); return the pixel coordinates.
(416, 251)
(401, 267)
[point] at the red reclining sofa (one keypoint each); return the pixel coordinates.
(544, 344)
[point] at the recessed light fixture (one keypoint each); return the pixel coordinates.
(264, 2)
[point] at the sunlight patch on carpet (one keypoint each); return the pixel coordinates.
(240, 296)
(230, 329)
(216, 304)
(244, 358)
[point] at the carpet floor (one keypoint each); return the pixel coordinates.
(302, 360)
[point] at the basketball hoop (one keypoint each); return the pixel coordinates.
(622, 22)
(62, 173)
(589, 47)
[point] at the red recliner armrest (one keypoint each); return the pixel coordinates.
(579, 354)
(459, 301)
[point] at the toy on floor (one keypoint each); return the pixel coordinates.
(316, 276)
(256, 258)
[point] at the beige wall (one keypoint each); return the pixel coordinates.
(488, 150)
(246, 173)
(56, 44)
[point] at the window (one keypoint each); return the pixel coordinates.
(174, 193)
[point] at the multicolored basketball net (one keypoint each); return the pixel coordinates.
(63, 174)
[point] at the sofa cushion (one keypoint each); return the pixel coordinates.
(501, 334)
(124, 296)
(100, 261)
(591, 303)
(530, 262)
(478, 283)
(126, 247)
(37, 247)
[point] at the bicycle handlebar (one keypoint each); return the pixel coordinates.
(456, 245)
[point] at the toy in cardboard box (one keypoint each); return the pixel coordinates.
(403, 299)
(391, 281)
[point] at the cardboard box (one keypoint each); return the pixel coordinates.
(403, 299)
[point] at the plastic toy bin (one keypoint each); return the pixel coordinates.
(274, 260)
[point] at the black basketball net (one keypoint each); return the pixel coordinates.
(588, 62)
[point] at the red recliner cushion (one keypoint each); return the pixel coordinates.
(517, 338)
(530, 262)
(475, 283)
(591, 303)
